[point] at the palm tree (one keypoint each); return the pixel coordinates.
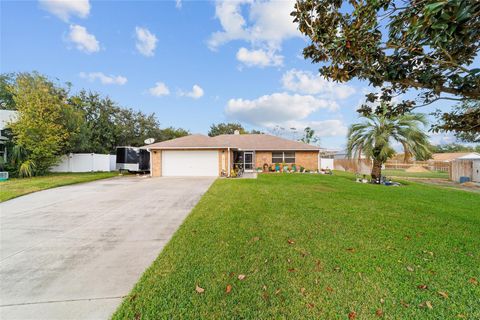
(374, 136)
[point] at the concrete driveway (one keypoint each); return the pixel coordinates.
(73, 252)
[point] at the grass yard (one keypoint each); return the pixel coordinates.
(403, 173)
(16, 187)
(317, 247)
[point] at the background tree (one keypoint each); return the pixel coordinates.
(225, 128)
(6, 96)
(375, 135)
(309, 136)
(43, 127)
(468, 130)
(455, 147)
(427, 45)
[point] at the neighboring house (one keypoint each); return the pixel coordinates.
(343, 154)
(6, 116)
(199, 155)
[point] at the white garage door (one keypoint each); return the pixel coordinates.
(190, 163)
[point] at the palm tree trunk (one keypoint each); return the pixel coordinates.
(376, 170)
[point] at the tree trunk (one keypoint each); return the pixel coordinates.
(376, 170)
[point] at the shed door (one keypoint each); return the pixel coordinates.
(190, 163)
(476, 170)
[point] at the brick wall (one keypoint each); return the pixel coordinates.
(262, 157)
(156, 165)
(307, 159)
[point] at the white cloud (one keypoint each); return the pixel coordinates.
(104, 79)
(178, 4)
(159, 90)
(270, 110)
(259, 58)
(323, 128)
(66, 8)
(307, 83)
(269, 22)
(83, 40)
(146, 41)
(196, 93)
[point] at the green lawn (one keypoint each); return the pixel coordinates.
(317, 247)
(403, 173)
(13, 188)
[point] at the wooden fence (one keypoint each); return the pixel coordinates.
(430, 165)
(363, 166)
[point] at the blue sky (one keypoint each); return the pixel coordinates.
(193, 63)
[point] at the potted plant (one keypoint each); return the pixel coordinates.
(285, 167)
(259, 169)
(302, 169)
(277, 167)
(294, 167)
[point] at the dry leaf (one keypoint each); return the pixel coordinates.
(352, 315)
(382, 301)
(292, 270)
(422, 286)
(429, 304)
(228, 289)
(278, 291)
(199, 290)
(310, 305)
(473, 281)
(264, 287)
(302, 290)
(329, 289)
(352, 250)
(241, 276)
(409, 268)
(443, 294)
(337, 268)
(379, 313)
(255, 238)
(406, 305)
(290, 241)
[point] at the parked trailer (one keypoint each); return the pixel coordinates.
(133, 159)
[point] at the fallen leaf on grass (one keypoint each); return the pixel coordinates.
(403, 303)
(241, 277)
(337, 268)
(422, 286)
(278, 291)
(443, 294)
(264, 287)
(379, 313)
(310, 305)
(290, 241)
(473, 281)
(302, 290)
(352, 250)
(292, 270)
(255, 239)
(352, 315)
(199, 290)
(427, 304)
(409, 268)
(382, 301)
(329, 289)
(228, 289)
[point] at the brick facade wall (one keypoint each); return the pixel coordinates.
(156, 163)
(306, 159)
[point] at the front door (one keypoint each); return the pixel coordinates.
(248, 160)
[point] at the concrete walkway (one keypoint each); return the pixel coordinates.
(73, 252)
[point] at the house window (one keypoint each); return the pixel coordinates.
(283, 156)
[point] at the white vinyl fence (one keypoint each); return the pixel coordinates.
(85, 162)
(326, 163)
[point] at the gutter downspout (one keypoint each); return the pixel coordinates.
(151, 163)
(228, 168)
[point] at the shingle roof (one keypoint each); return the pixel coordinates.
(448, 156)
(238, 141)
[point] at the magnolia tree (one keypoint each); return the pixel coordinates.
(428, 45)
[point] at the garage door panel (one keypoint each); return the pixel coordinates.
(190, 163)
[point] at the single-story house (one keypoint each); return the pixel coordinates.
(200, 155)
(6, 117)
